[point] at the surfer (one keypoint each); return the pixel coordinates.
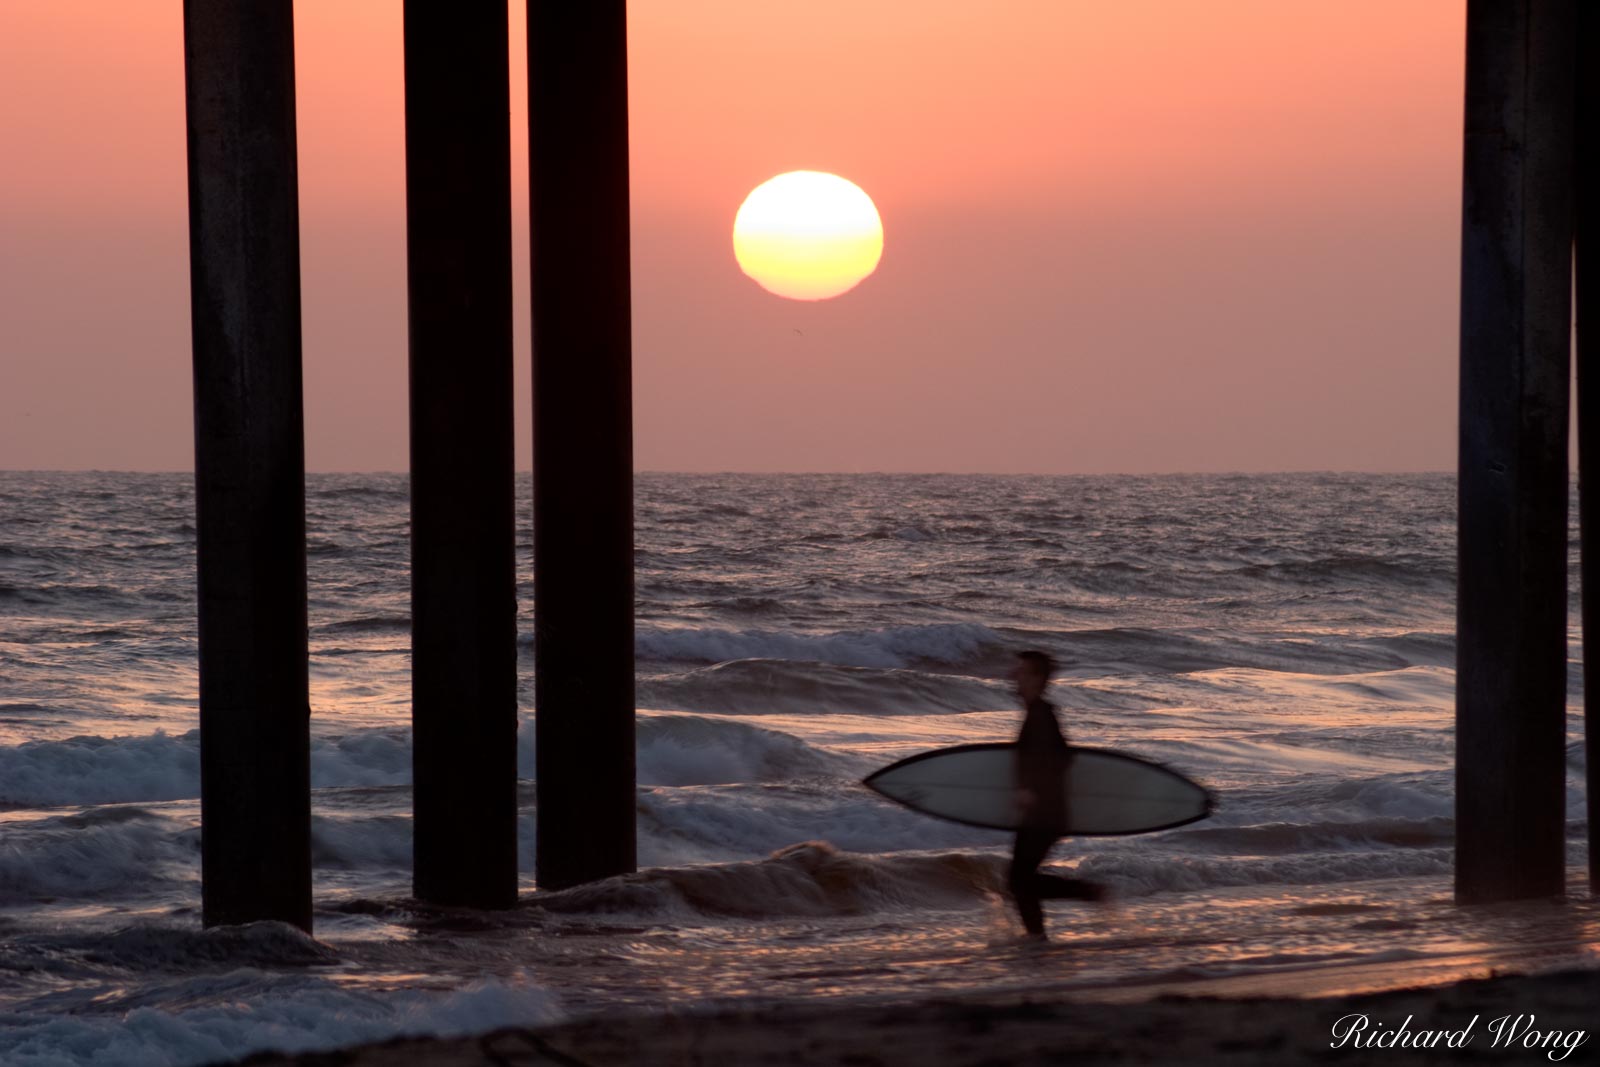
(1042, 758)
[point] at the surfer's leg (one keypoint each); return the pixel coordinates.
(1029, 850)
(1057, 887)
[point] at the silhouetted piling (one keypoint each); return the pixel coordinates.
(583, 439)
(1515, 337)
(1587, 262)
(463, 567)
(244, 256)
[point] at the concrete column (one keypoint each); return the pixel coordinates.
(583, 439)
(244, 256)
(1515, 337)
(463, 566)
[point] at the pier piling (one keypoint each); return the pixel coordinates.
(583, 439)
(463, 529)
(244, 261)
(1511, 632)
(1586, 261)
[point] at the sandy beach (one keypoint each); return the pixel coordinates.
(1523, 1018)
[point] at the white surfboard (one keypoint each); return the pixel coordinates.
(1106, 792)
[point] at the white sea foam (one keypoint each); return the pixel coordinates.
(101, 770)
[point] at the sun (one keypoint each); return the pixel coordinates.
(807, 235)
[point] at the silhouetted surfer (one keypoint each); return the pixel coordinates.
(1042, 758)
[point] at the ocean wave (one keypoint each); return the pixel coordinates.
(76, 596)
(811, 878)
(1142, 650)
(104, 854)
(127, 850)
(1330, 797)
(1400, 570)
(819, 878)
(1286, 837)
(716, 824)
(747, 604)
(122, 848)
(367, 624)
(398, 492)
(162, 766)
(769, 686)
(949, 644)
(150, 946)
(368, 842)
(24, 711)
(1414, 649)
(671, 750)
(1322, 771)
(57, 859)
(677, 826)
(691, 750)
(1138, 872)
(900, 533)
(323, 546)
(101, 770)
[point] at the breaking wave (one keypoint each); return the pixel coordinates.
(811, 878)
(672, 750)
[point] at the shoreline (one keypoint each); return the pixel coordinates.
(1047, 1026)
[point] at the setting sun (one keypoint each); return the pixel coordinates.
(807, 235)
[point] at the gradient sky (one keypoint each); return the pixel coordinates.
(1155, 235)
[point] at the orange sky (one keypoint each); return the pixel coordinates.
(1154, 235)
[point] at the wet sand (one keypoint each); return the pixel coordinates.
(1041, 1027)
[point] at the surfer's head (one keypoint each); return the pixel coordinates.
(1033, 673)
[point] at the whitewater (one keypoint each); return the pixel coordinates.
(1287, 640)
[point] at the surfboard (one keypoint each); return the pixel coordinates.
(1107, 792)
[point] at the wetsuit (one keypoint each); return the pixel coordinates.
(1042, 759)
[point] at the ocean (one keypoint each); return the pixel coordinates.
(1285, 639)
